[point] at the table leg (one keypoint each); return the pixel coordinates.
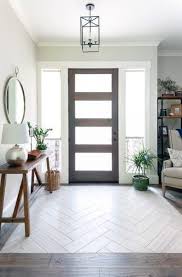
(17, 205)
(26, 206)
(35, 173)
(32, 181)
(48, 176)
(38, 177)
(2, 192)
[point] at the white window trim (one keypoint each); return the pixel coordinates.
(122, 67)
(124, 176)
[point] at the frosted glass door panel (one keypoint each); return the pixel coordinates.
(93, 82)
(93, 109)
(93, 135)
(93, 161)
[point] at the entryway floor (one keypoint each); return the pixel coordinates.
(100, 219)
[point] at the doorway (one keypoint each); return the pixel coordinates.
(93, 125)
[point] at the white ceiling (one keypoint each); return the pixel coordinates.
(122, 21)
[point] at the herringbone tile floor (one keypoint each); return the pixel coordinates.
(90, 219)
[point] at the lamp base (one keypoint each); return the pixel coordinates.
(16, 156)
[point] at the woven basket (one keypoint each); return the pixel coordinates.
(55, 179)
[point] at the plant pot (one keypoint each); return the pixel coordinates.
(42, 148)
(140, 182)
(41, 151)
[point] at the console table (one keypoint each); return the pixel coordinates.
(29, 166)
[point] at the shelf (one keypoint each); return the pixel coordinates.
(163, 141)
(164, 155)
(169, 117)
(170, 98)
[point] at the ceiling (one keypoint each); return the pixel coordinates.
(122, 21)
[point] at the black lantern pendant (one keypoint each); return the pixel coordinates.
(90, 31)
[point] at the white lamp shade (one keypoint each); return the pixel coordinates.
(15, 134)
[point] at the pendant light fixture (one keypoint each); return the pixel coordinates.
(90, 31)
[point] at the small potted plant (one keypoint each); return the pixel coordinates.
(142, 161)
(39, 134)
(167, 86)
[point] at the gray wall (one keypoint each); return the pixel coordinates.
(170, 67)
(107, 53)
(16, 49)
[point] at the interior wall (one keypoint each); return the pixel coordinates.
(66, 56)
(169, 66)
(107, 53)
(16, 49)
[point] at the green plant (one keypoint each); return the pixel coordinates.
(40, 134)
(167, 85)
(142, 161)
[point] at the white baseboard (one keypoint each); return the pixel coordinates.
(154, 179)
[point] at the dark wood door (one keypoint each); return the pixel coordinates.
(93, 125)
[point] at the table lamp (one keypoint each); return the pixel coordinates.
(15, 134)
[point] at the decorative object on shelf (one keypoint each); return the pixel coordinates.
(34, 154)
(176, 109)
(14, 99)
(15, 134)
(163, 112)
(171, 114)
(142, 161)
(178, 93)
(90, 31)
(54, 179)
(40, 134)
(163, 130)
(167, 87)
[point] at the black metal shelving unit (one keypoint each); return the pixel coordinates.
(163, 141)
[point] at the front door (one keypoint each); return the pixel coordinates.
(93, 125)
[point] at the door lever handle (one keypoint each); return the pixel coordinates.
(115, 136)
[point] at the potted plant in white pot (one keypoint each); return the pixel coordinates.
(141, 162)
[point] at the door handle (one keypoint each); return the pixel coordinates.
(115, 136)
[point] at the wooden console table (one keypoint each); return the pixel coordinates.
(23, 191)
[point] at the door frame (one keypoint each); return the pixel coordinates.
(98, 176)
(151, 86)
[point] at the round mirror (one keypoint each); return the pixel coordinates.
(14, 101)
